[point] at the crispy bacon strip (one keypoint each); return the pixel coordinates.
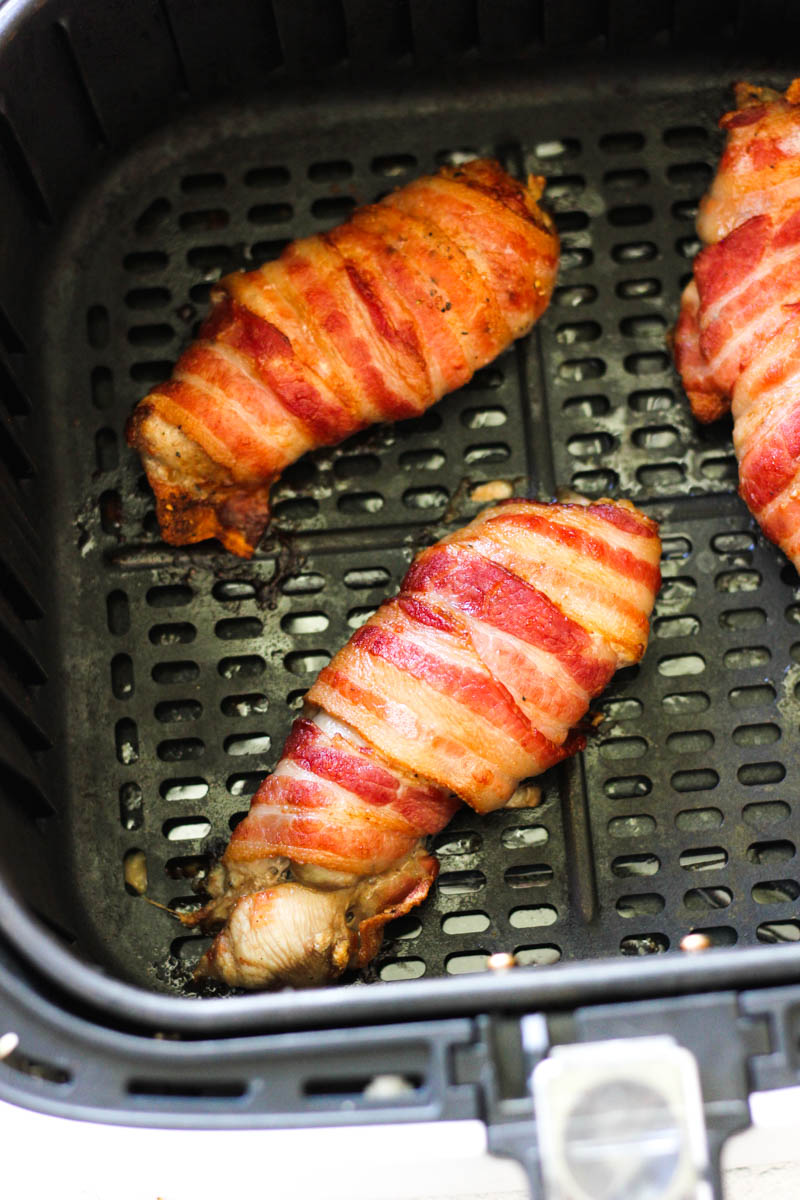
(373, 321)
(736, 341)
(474, 677)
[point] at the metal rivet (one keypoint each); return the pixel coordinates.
(8, 1044)
(501, 961)
(692, 943)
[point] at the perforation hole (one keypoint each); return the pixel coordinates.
(533, 875)
(356, 617)
(627, 866)
(241, 744)
(595, 483)
(671, 627)
(639, 944)
(623, 747)
(306, 584)
(774, 932)
(650, 326)
(635, 826)
(622, 709)
(126, 738)
(110, 505)
(576, 370)
(765, 854)
(533, 917)
(122, 683)
(393, 165)
(634, 252)
(186, 829)
(469, 922)
(574, 258)
(181, 791)
(683, 703)
(422, 460)
(764, 814)
(131, 807)
(118, 613)
(360, 503)
(627, 787)
(366, 577)
(756, 735)
(564, 187)
(695, 820)
(626, 178)
(699, 780)
(173, 633)
(180, 749)
(537, 956)
(681, 664)
(306, 662)
(460, 883)
(175, 672)
(402, 968)
(736, 619)
(457, 843)
(244, 666)
(168, 711)
(639, 905)
(718, 935)
(705, 858)
(776, 891)
(746, 657)
(702, 899)
(558, 148)
(761, 773)
(244, 783)
(238, 629)
(756, 695)
(102, 388)
(524, 837)
(693, 741)
(483, 418)
(689, 247)
(586, 407)
(425, 498)
(575, 296)
(651, 400)
(636, 289)
(651, 362)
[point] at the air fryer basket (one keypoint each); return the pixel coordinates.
(145, 690)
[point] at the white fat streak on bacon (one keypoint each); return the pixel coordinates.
(758, 402)
(424, 730)
(542, 688)
(746, 309)
(583, 589)
(268, 293)
(286, 431)
(329, 273)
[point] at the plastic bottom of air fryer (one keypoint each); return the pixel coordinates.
(182, 669)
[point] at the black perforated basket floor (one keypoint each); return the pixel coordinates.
(182, 670)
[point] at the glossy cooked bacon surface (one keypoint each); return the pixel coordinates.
(474, 677)
(736, 341)
(373, 321)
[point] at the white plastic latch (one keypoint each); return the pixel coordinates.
(621, 1120)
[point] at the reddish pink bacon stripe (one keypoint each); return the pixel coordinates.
(428, 700)
(739, 317)
(372, 321)
(479, 588)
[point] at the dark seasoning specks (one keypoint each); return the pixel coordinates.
(190, 665)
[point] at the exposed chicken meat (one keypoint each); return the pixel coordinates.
(473, 678)
(373, 321)
(737, 341)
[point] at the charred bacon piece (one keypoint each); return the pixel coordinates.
(473, 678)
(373, 321)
